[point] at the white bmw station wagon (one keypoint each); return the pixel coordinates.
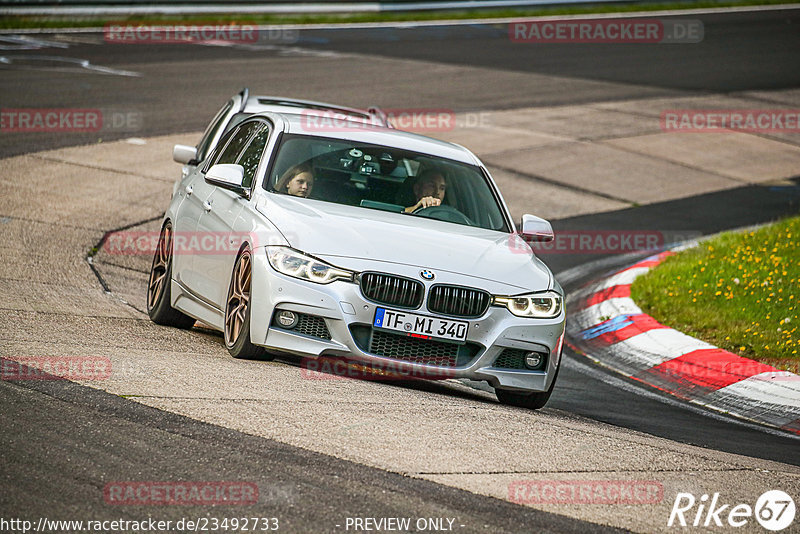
(346, 238)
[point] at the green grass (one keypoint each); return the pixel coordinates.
(738, 291)
(21, 22)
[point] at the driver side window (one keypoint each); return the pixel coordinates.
(237, 142)
(251, 157)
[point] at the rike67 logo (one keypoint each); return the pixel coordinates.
(774, 510)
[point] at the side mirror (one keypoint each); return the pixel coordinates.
(183, 154)
(227, 175)
(536, 229)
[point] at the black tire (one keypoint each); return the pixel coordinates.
(159, 297)
(237, 312)
(532, 401)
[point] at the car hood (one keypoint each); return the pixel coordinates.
(355, 238)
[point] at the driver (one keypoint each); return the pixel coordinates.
(429, 189)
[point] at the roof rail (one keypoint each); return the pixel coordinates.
(378, 113)
(310, 104)
(245, 93)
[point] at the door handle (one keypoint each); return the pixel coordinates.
(189, 189)
(207, 205)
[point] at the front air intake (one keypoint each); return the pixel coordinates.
(458, 301)
(392, 290)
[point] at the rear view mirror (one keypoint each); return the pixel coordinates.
(183, 153)
(536, 229)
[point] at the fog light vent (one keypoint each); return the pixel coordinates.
(287, 319)
(520, 359)
(301, 323)
(534, 359)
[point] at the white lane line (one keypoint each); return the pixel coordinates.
(61, 10)
(31, 63)
(281, 50)
(24, 42)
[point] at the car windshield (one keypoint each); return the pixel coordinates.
(384, 178)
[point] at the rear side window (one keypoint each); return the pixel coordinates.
(236, 120)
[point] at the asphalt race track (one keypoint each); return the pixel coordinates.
(61, 439)
(741, 51)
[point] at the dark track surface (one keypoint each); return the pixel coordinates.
(110, 439)
(740, 51)
(183, 85)
(181, 88)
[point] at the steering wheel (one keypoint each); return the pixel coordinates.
(443, 212)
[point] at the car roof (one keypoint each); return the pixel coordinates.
(342, 128)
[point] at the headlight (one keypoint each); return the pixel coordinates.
(540, 305)
(298, 265)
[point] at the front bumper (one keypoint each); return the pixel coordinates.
(344, 310)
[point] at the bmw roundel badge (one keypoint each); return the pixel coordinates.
(427, 275)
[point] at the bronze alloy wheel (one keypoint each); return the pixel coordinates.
(160, 269)
(159, 295)
(238, 298)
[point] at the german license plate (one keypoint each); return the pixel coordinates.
(421, 326)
